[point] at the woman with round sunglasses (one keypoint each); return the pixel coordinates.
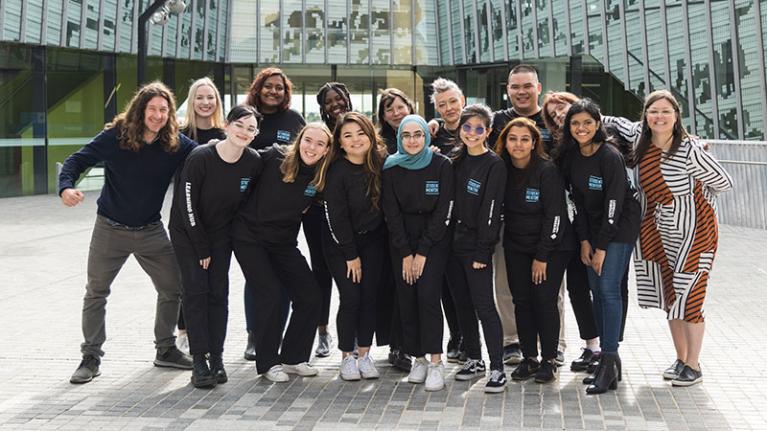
(417, 199)
(215, 180)
(480, 180)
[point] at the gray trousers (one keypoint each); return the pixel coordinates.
(110, 248)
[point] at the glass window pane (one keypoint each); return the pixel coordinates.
(223, 31)
(292, 34)
(701, 70)
(469, 35)
(527, 29)
(634, 49)
(426, 32)
(483, 9)
(337, 32)
(596, 43)
(497, 21)
(244, 45)
(53, 21)
(458, 37)
(270, 32)
(402, 31)
(576, 26)
(723, 68)
(212, 21)
(544, 40)
(34, 20)
(381, 32)
(615, 38)
(110, 18)
(73, 23)
(678, 56)
(91, 27)
(560, 27)
(753, 127)
(315, 34)
(126, 26)
(12, 20)
(512, 29)
(444, 34)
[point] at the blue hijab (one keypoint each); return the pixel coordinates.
(402, 158)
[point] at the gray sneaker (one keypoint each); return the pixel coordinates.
(349, 370)
(418, 371)
(673, 371)
(435, 377)
(171, 357)
(87, 370)
(367, 368)
(324, 344)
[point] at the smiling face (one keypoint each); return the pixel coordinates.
(156, 115)
(355, 142)
(661, 117)
(241, 132)
(558, 111)
(204, 102)
(395, 112)
(474, 133)
(449, 105)
(519, 144)
(523, 90)
(313, 146)
(272, 94)
(413, 138)
(583, 127)
(335, 104)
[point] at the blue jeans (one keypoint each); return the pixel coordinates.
(606, 290)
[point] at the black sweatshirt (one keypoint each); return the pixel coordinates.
(501, 119)
(348, 208)
(208, 194)
(205, 135)
(606, 210)
(445, 140)
(480, 182)
(272, 214)
(389, 136)
(135, 183)
(535, 211)
(278, 128)
(418, 202)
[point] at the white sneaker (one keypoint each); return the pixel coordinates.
(418, 371)
(435, 378)
(276, 374)
(303, 369)
(182, 342)
(349, 370)
(367, 368)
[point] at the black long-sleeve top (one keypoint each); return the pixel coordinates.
(480, 183)
(349, 209)
(134, 182)
(278, 128)
(389, 137)
(535, 211)
(208, 194)
(204, 135)
(272, 214)
(446, 140)
(417, 205)
(501, 119)
(606, 210)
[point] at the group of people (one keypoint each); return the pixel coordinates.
(409, 219)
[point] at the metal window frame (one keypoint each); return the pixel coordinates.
(463, 32)
(505, 30)
(204, 31)
(179, 27)
(134, 29)
(281, 40)
(605, 36)
(489, 19)
(303, 33)
(624, 37)
(586, 35)
(43, 26)
(552, 36)
(736, 69)
(520, 33)
(228, 51)
(62, 29)
(712, 81)
(761, 70)
(664, 35)
(569, 29)
(536, 48)
(23, 24)
(100, 37)
(391, 34)
(688, 69)
(83, 12)
(645, 53)
(118, 22)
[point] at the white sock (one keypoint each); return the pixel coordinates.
(593, 345)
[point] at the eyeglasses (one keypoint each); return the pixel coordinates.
(664, 113)
(417, 136)
(477, 130)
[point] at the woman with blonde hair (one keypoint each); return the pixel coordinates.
(204, 117)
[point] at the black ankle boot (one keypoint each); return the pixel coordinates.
(592, 372)
(607, 374)
(201, 375)
(250, 350)
(217, 368)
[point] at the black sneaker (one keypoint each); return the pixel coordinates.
(547, 372)
(201, 375)
(471, 369)
(453, 348)
(250, 349)
(496, 382)
(171, 357)
(512, 354)
(393, 353)
(673, 371)
(688, 377)
(403, 361)
(217, 368)
(525, 369)
(87, 370)
(582, 363)
(560, 359)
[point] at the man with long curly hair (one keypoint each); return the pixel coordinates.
(141, 150)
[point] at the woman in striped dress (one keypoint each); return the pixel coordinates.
(678, 181)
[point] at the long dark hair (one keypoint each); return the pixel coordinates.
(339, 88)
(568, 142)
(254, 92)
(678, 135)
(130, 122)
(475, 110)
(538, 153)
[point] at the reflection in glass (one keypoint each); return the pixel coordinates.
(380, 29)
(292, 32)
(315, 34)
(337, 32)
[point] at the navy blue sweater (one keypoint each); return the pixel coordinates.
(134, 182)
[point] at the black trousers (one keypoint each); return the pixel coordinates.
(535, 305)
(449, 308)
(419, 304)
(312, 222)
(580, 298)
(473, 296)
(181, 322)
(205, 295)
(357, 309)
(271, 270)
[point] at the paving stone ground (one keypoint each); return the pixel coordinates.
(43, 249)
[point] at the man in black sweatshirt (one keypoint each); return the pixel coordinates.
(141, 149)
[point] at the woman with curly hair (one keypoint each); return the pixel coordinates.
(270, 93)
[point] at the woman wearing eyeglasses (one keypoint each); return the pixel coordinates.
(480, 181)
(417, 197)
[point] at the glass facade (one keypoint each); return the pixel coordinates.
(59, 56)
